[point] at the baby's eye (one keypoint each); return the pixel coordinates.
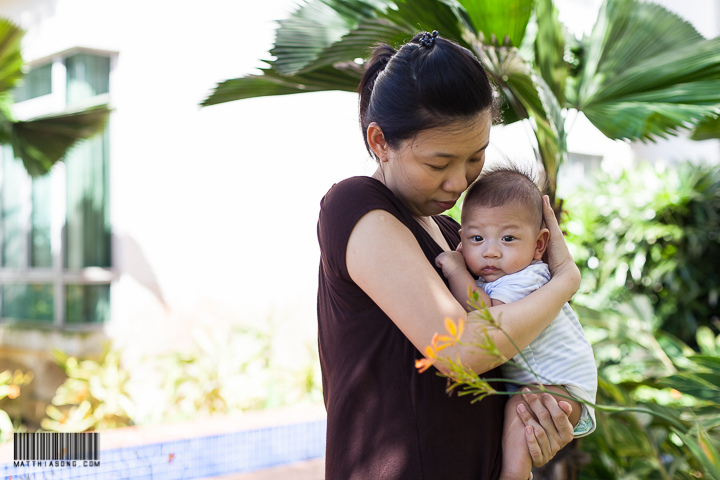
(508, 238)
(476, 238)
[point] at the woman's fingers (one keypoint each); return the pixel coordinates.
(551, 428)
(560, 412)
(536, 438)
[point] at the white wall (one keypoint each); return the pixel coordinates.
(221, 202)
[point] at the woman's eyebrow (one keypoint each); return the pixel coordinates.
(450, 155)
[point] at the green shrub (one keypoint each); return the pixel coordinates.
(653, 231)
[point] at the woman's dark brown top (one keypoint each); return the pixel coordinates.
(386, 420)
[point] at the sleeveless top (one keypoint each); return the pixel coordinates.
(385, 420)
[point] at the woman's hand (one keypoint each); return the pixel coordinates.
(549, 430)
(559, 259)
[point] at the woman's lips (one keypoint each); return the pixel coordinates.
(447, 205)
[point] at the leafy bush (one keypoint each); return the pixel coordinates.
(93, 397)
(641, 366)
(653, 231)
(11, 384)
(226, 372)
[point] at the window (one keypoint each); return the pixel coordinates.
(55, 233)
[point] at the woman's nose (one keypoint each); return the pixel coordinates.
(457, 181)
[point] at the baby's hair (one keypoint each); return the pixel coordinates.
(506, 184)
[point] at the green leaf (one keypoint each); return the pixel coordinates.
(11, 61)
(550, 48)
(42, 141)
(303, 36)
(359, 42)
(343, 77)
(704, 451)
(707, 361)
(500, 18)
(445, 16)
(705, 386)
(646, 72)
(707, 129)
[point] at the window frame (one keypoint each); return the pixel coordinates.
(58, 275)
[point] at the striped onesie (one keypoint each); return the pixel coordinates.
(560, 355)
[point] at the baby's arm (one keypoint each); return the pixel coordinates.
(454, 268)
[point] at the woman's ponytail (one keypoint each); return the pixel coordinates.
(380, 57)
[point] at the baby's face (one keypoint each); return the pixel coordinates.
(499, 241)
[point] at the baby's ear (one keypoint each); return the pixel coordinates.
(541, 243)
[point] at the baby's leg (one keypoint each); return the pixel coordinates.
(516, 461)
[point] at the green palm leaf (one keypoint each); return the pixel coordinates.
(646, 73)
(707, 129)
(529, 97)
(344, 77)
(550, 48)
(500, 18)
(303, 36)
(11, 61)
(42, 141)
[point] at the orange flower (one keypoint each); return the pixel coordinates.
(13, 391)
(436, 338)
(675, 394)
(430, 358)
(423, 364)
(454, 330)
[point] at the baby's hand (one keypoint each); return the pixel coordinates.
(450, 262)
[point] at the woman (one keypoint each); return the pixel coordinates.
(425, 112)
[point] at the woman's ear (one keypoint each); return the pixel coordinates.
(541, 243)
(376, 140)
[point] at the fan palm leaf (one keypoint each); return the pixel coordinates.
(707, 129)
(493, 18)
(550, 48)
(11, 61)
(42, 141)
(647, 72)
(307, 43)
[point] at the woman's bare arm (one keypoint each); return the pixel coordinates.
(385, 260)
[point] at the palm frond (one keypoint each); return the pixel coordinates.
(550, 48)
(42, 141)
(343, 77)
(500, 18)
(707, 129)
(11, 61)
(628, 32)
(647, 73)
(528, 97)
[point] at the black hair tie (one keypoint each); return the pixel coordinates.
(427, 40)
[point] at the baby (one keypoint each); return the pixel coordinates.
(503, 240)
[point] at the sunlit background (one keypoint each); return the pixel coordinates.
(192, 231)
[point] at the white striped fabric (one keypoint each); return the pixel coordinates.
(560, 355)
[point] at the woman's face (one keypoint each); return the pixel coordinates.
(430, 171)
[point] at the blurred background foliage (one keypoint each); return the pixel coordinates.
(653, 231)
(646, 241)
(226, 371)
